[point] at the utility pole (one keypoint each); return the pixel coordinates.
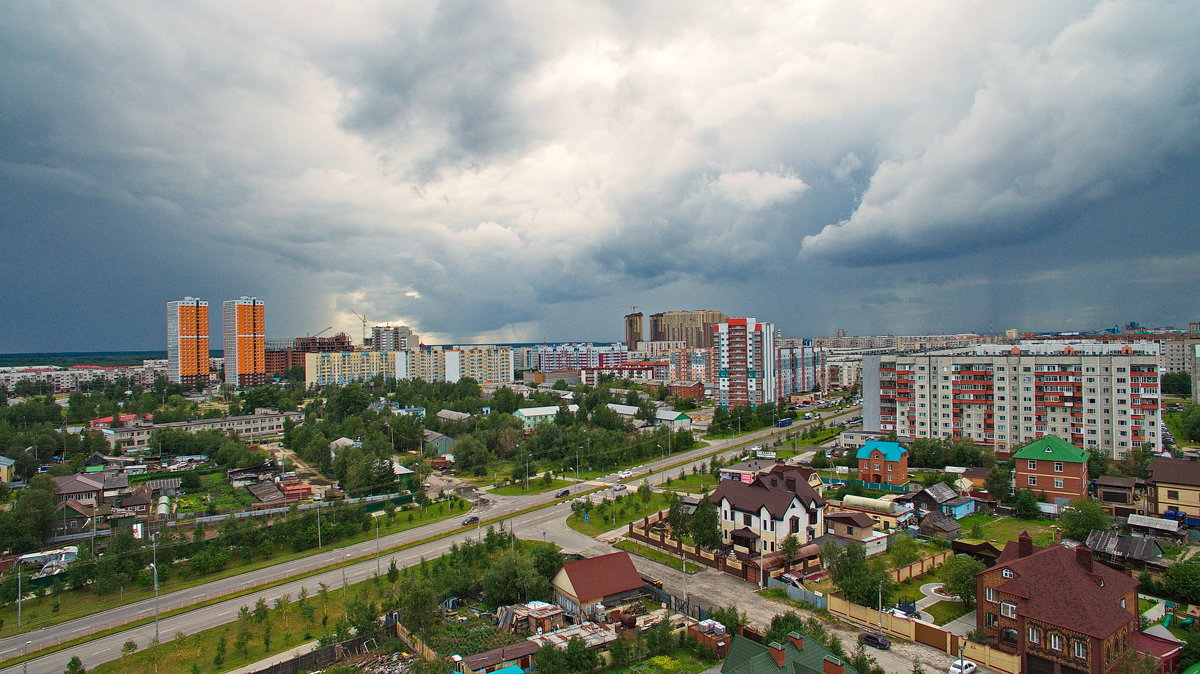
(881, 607)
(526, 473)
(347, 557)
(376, 547)
(18, 593)
(319, 546)
(154, 567)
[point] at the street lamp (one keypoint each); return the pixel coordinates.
(25, 658)
(154, 567)
(346, 558)
(376, 547)
(881, 607)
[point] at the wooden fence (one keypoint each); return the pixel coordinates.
(920, 567)
(640, 530)
(414, 642)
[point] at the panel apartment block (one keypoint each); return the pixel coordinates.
(744, 357)
(347, 366)
(1101, 397)
(485, 363)
(187, 341)
(694, 328)
(245, 325)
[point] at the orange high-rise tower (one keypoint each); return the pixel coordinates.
(187, 341)
(245, 342)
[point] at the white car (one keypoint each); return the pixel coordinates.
(962, 667)
(625, 474)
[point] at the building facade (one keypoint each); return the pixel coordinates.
(263, 423)
(796, 370)
(485, 363)
(693, 328)
(744, 359)
(692, 365)
(1102, 397)
(187, 341)
(633, 331)
(393, 338)
(245, 323)
(1056, 608)
(347, 366)
(759, 515)
(563, 357)
(882, 462)
(1173, 486)
(284, 354)
(1053, 467)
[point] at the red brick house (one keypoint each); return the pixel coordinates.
(1056, 608)
(880, 461)
(1054, 467)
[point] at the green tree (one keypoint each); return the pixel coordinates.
(903, 550)
(645, 493)
(676, 517)
(1080, 516)
(999, 483)
(219, 653)
(1182, 580)
(730, 617)
(75, 666)
(128, 648)
(789, 547)
(393, 573)
(958, 577)
(619, 651)
(859, 580)
(1177, 383)
(512, 578)
(1026, 505)
(706, 524)
(1130, 661)
(578, 657)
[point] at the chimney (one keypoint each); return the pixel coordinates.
(797, 640)
(1083, 555)
(1024, 544)
(777, 653)
(832, 665)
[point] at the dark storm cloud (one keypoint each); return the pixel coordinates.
(519, 171)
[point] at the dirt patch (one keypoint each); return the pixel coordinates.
(280, 453)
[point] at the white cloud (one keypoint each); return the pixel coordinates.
(754, 191)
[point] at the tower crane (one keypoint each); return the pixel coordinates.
(632, 308)
(322, 332)
(364, 326)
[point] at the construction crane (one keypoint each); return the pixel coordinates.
(632, 308)
(364, 323)
(322, 332)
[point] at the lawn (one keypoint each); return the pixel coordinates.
(944, 612)
(1001, 530)
(678, 661)
(1174, 423)
(214, 493)
(695, 483)
(41, 612)
(910, 590)
(656, 555)
(629, 507)
(1145, 605)
(536, 486)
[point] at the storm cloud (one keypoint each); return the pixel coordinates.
(520, 171)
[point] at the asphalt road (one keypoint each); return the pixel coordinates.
(107, 648)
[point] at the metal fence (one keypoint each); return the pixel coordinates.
(799, 593)
(691, 607)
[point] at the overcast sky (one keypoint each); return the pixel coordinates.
(491, 171)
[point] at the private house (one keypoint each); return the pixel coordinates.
(800, 655)
(116, 485)
(1119, 495)
(883, 462)
(858, 527)
(976, 476)
(532, 416)
(435, 443)
(451, 415)
(139, 501)
(6, 469)
(758, 516)
(517, 658)
(888, 515)
(942, 498)
(608, 580)
(747, 470)
(937, 524)
(1173, 485)
(676, 421)
(1125, 551)
(1053, 467)
(86, 490)
(1056, 608)
(70, 517)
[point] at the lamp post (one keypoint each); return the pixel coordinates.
(346, 558)
(377, 547)
(18, 593)
(154, 568)
(25, 657)
(881, 607)
(319, 503)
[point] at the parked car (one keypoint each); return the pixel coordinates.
(875, 639)
(899, 613)
(619, 487)
(962, 667)
(471, 520)
(562, 493)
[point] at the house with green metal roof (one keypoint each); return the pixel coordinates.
(1053, 467)
(883, 462)
(800, 655)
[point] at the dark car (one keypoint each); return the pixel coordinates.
(471, 520)
(560, 494)
(875, 639)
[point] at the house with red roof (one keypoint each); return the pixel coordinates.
(608, 579)
(1056, 608)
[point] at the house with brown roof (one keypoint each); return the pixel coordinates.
(70, 517)
(1173, 485)
(1120, 495)
(139, 501)
(519, 654)
(758, 516)
(86, 490)
(857, 527)
(608, 579)
(1056, 608)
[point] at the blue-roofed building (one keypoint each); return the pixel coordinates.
(882, 461)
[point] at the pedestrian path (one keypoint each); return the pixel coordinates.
(277, 658)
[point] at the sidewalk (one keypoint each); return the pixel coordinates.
(275, 659)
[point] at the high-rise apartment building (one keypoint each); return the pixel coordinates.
(485, 363)
(797, 368)
(633, 331)
(347, 366)
(1196, 374)
(1098, 396)
(744, 357)
(693, 328)
(1177, 354)
(691, 365)
(245, 324)
(393, 338)
(286, 353)
(187, 341)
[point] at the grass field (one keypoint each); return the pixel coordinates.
(947, 611)
(692, 483)
(1000, 530)
(679, 661)
(630, 508)
(40, 612)
(536, 486)
(656, 555)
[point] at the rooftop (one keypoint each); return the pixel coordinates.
(1052, 448)
(892, 451)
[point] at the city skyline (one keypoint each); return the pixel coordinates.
(524, 173)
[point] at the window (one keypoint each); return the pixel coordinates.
(1058, 466)
(1033, 635)
(1122, 603)
(1008, 610)
(1080, 649)
(1056, 642)
(990, 620)
(1032, 464)
(1007, 573)
(991, 594)
(745, 519)
(1172, 494)
(1033, 480)
(1058, 483)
